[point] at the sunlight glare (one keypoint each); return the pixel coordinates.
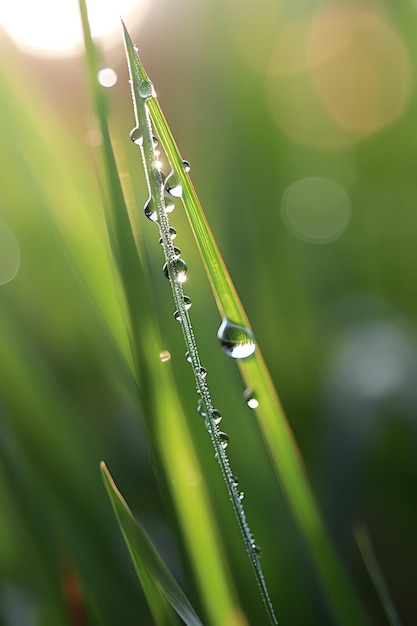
(50, 28)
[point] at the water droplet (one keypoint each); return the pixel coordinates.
(136, 136)
(146, 89)
(235, 480)
(201, 408)
(177, 253)
(202, 372)
(241, 495)
(237, 341)
(107, 77)
(217, 416)
(169, 204)
(187, 166)
(250, 399)
(179, 271)
(155, 142)
(188, 357)
(177, 315)
(172, 234)
(149, 210)
(187, 303)
(165, 356)
(224, 439)
(257, 550)
(173, 186)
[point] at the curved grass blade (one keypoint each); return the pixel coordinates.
(274, 427)
(159, 585)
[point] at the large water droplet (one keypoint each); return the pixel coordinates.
(237, 341)
(149, 210)
(224, 439)
(146, 89)
(250, 398)
(136, 136)
(173, 186)
(179, 270)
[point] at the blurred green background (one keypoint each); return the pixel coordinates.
(299, 123)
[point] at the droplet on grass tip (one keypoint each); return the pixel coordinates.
(179, 271)
(250, 399)
(235, 340)
(107, 77)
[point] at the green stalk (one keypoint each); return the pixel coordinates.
(274, 427)
(143, 94)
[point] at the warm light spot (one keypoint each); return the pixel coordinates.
(165, 356)
(316, 210)
(9, 254)
(336, 77)
(359, 68)
(107, 77)
(53, 28)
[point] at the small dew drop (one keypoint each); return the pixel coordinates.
(107, 77)
(172, 234)
(187, 303)
(235, 480)
(188, 357)
(236, 341)
(136, 136)
(201, 409)
(187, 166)
(241, 495)
(224, 439)
(250, 399)
(173, 186)
(180, 270)
(165, 356)
(177, 315)
(202, 372)
(149, 210)
(257, 550)
(217, 416)
(177, 253)
(146, 90)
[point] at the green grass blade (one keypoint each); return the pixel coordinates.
(174, 456)
(156, 579)
(278, 437)
(363, 541)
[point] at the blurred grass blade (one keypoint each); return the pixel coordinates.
(280, 442)
(156, 580)
(363, 541)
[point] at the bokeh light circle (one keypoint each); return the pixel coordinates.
(316, 210)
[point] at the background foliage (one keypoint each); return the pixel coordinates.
(259, 97)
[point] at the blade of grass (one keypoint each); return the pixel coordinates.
(161, 589)
(363, 541)
(166, 426)
(274, 427)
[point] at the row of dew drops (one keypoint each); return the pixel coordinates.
(236, 340)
